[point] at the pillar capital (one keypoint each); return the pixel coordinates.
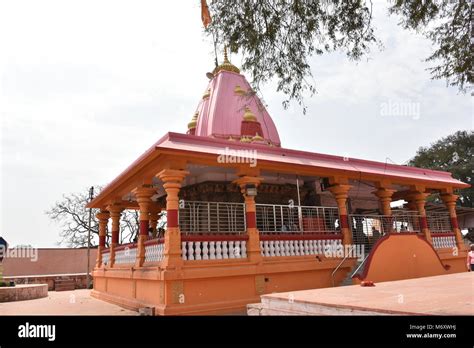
(172, 175)
(115, 208)
(385, 197)
(340, 192)
(144, 193)
(247, 180)
(102, 215)
(384, 193)
(449, 198)
(418, 198)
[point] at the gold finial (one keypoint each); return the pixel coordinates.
(245, 139)
(226, 65)
(238, 90)
(257, 137)
(193, 122)
(249, 116)
(226, 60)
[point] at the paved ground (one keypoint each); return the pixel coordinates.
(77, 302)
(451, 294)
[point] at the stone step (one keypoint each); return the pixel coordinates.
(64, 285)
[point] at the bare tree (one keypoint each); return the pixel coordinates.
(71, 213)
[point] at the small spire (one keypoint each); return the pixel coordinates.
(226, 65)
(249, 116)
(193, 123)
(226, 59)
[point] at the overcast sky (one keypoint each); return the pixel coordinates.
(87, 86)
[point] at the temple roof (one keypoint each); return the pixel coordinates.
(295, 160)
(230, 109)
(230, 115)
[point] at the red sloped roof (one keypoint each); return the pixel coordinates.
(207, 145)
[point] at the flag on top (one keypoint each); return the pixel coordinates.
(205, 15)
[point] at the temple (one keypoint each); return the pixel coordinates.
(246, 216)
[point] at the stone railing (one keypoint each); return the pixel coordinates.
(105, 256)
(154, 250)
(443, 240)
(125, 254)
(298, 244)
(214, 247)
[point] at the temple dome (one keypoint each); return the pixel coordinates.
(230, 109)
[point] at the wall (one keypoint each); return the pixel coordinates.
(406, 256)
(50, 261)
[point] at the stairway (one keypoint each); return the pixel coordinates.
(64, 284)
(348, 279)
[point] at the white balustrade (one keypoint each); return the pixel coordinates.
(214, 250)
(126, 255)
(218, 251)
(105, 258)
(271, 248)
(225, 250)
(205, 251)
(444, 242)
(154, 252)
(184, 253)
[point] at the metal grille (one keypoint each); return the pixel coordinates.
(212, 217)
(285, 218)
(439, 222)
(367, 229)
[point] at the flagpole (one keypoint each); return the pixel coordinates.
(91, 196)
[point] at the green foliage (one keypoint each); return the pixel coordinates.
(447, 24)
(454, 154)
(276, 38)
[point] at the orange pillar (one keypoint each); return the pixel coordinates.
(253, 243)
(385, 198)
(340, 192)
(418, 198)
(115, 213)
(449, 200)
(143, 194)
(103, 217)
(172, 179)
